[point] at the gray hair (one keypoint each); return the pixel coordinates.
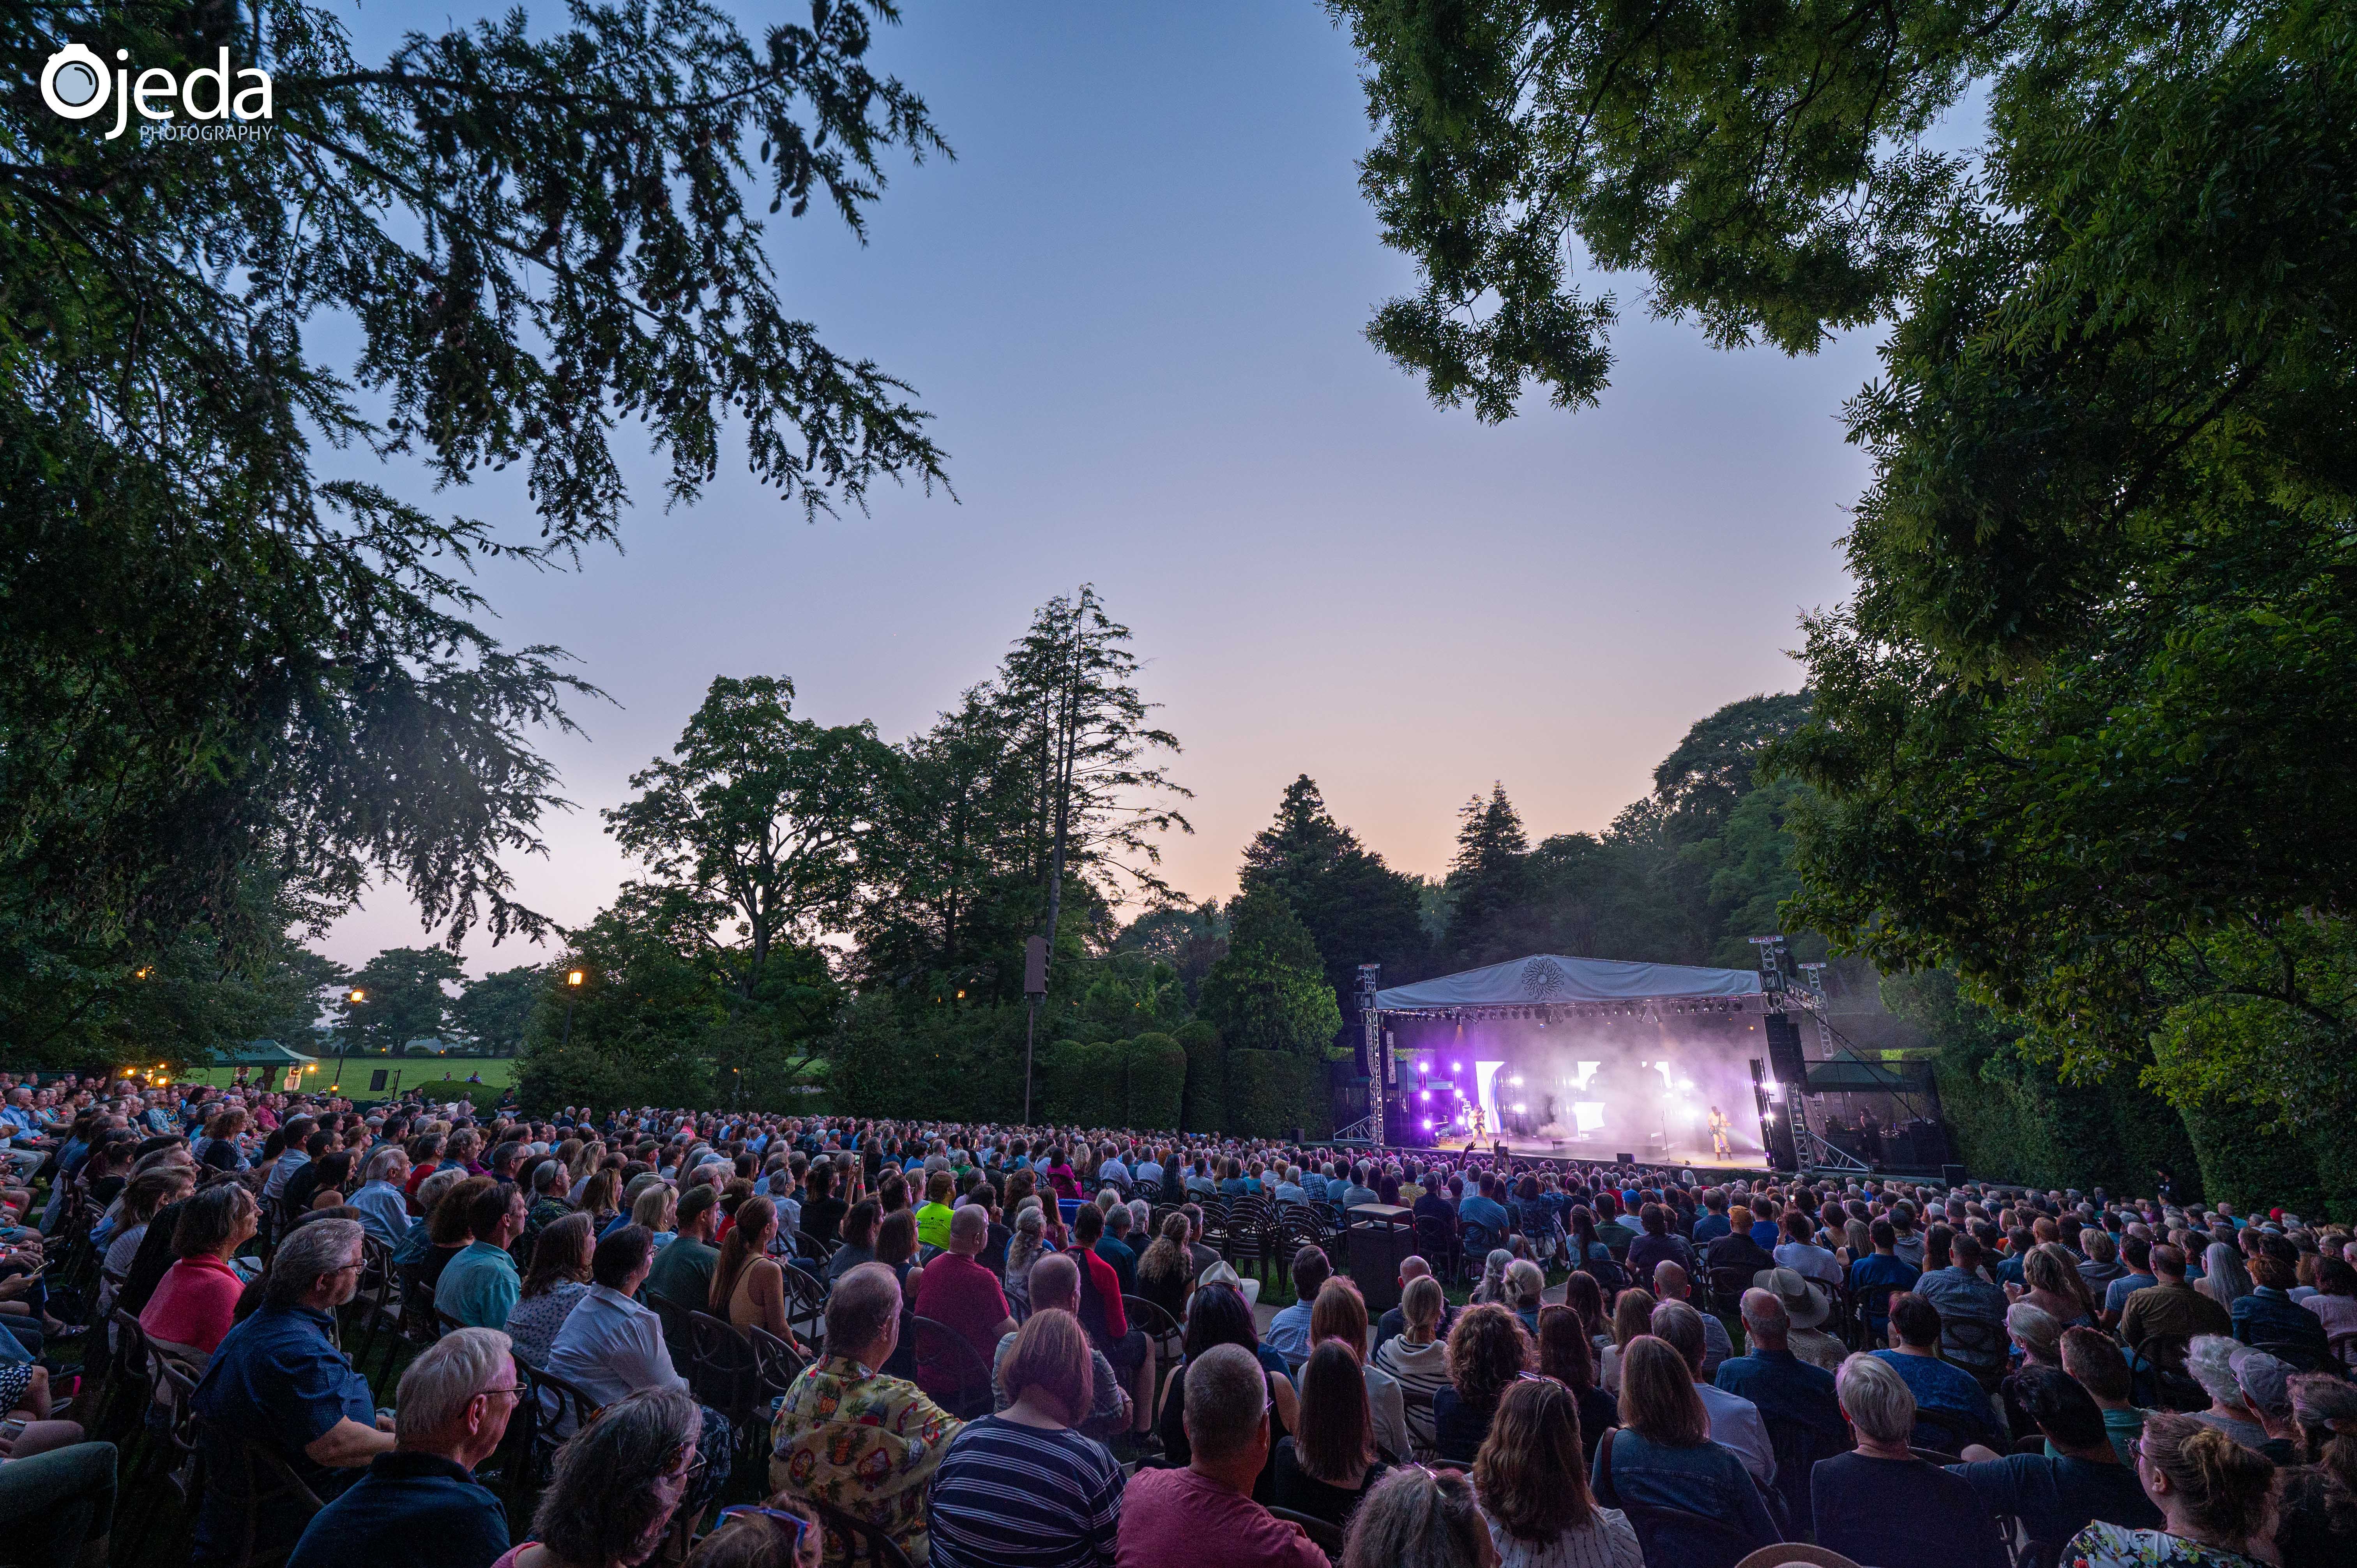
(1681, 1325)
(1764, 1314)
(1877, 1398)
(2036, 1329)
(600, 1505)
(2210, 1362)
(308, 1252)
(1030, 1218)
(1141, 1214)
(382, 1162)
(448, 1373)
(430, 1190)
(1525, 1278)
(864, 1302)
(1415, 1517)
(1227, 1400)
(1118, 1220)
(969, 1222)
(2265, 1382)
(548, 1176)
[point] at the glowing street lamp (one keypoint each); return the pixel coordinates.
(573, 979)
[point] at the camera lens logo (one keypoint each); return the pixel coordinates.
(74, 84)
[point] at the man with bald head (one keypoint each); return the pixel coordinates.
(1055, 1287)
(956, 1291)
(1787, 1391)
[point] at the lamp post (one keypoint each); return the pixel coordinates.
(354, 997)
(573, 979)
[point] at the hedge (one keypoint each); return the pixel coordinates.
(1156, 1069)
(1206, 1103)
(1271, 1092)
(2014, 1121)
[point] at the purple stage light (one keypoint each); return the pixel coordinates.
(1427, 1123)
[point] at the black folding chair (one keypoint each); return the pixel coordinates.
(950, 1370)
(1323, 1536)
(852, 1540)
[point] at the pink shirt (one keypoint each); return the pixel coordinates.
(196, 1304)
(1177, 1519)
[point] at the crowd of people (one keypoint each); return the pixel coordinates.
(1019, 1347)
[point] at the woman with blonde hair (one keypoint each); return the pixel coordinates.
(1532, 1477)
(1417, 1359)
(2055, 1286)
(1632, 1314)
(2212, 1494)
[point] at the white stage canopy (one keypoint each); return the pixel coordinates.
(1548, 978)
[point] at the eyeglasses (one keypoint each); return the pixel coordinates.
(793, 1524)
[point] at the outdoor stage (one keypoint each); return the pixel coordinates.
(1576, 1058)
(1601, 1151)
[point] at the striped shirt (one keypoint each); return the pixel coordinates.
(1009, 1496)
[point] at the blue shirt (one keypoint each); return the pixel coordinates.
(1786, 1389)
(1950, 1389)
(1478, 1210)
(1710, 1228)
(2117, 1294)
(480, 1286)
(2268, 1317)
(1288, 1335)
(1886, 1510)
(2057, 1499)
(1882, 1269)
(1707, 1478)
(277, 1379)
(410, 1511)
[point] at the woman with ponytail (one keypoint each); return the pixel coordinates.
(2213, 1493)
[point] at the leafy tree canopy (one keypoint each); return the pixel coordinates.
(402, 999)
(2076, 733)
(491, 1013)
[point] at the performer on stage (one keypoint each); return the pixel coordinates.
(1721, 1148)
(1480, 1125)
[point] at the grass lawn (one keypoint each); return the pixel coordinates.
(415, 1073)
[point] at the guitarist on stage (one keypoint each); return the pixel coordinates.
(1721, 1147)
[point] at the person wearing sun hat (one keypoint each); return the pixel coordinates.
(1807, 1309)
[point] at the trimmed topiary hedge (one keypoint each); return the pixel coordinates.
(1157, 1067)
(1271, 1092)
(1206, 1103)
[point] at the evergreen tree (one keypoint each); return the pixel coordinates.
(1493, 914)
(1357, 909)
(220, 661)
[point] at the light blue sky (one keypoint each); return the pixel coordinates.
(1134, 302)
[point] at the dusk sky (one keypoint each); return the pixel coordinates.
(1135, 304)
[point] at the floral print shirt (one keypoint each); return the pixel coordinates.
(866, 1443)
(2111, 1546)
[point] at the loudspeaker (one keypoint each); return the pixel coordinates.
(1035, 966)
(1785, 1063)
(1625, 1158)
(1952, 1174)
